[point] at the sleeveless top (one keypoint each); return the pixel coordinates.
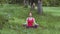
(30, 22)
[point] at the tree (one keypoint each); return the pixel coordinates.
(26, 3)
(39, 7)
(32, 4)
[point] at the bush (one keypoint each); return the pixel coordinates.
(3, 20)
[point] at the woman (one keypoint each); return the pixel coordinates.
(30, 22)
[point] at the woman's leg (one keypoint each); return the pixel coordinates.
(35, 25)
(25, 24)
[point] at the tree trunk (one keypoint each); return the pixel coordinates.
(26, 3)
(32, 4)
(39, 7)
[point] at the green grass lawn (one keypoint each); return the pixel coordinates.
(50, 20)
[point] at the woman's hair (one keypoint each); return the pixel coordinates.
(30, 13)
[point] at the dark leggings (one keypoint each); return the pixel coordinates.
(35, 26)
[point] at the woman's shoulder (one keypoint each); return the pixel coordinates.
(30, 17)
(33, 17)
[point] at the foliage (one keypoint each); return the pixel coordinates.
(45, 2)
(3, 20)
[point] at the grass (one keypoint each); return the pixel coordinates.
(17, 15)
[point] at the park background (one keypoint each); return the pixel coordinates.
(14, 12)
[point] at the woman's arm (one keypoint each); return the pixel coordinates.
(34, 21)
(26, 20)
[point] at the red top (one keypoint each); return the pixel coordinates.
(30, 22)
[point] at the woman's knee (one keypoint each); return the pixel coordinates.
(36, 24)
(24, 24)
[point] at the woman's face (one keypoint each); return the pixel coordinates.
(30, 14)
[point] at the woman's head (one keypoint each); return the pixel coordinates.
(30, 14)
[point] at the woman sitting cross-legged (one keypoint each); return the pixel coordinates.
(30, 22)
